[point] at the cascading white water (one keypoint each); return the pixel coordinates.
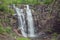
(21, 20)
(30, 22)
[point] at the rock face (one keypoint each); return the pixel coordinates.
(43, 17)
(47, 18)
(56, 27)
(44, 20)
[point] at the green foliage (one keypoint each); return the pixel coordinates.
(5, 3)
(5, 30)
(25, 1)
(21, 38)
(55, 35)
(1, 30)
(11, 11)
(4, 6)
(8, 30)
(48, 1)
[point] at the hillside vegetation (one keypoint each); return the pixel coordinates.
(7, 20)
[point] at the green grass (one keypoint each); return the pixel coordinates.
(21, 38)
(4, 4)
(5, 30)
(26, 1)
(8, 29)
(1, 30)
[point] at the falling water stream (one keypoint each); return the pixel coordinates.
(30, 22)
(22, 22)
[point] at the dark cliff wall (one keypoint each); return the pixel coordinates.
(56, 27)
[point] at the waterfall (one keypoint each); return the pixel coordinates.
(26, 32)
(30, 22)
(21, 20)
